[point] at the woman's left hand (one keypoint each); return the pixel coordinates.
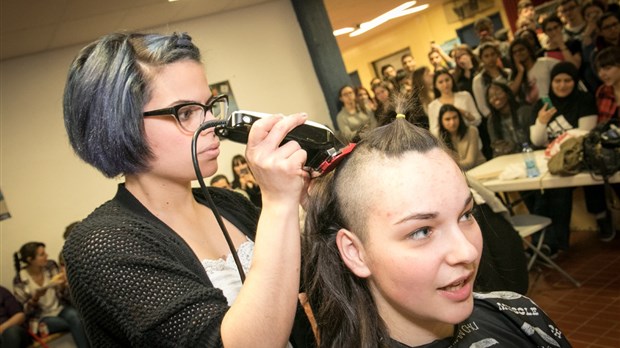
(278, 170)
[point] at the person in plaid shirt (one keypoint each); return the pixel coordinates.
(607, 65)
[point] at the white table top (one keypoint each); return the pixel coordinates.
(488, 174)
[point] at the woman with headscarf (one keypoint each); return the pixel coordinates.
(566, 108)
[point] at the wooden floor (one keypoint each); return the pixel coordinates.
(589, 315)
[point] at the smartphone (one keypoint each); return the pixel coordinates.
(547, 100)
(318, 140)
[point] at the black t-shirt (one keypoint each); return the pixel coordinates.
(502, 319)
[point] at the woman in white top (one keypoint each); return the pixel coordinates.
(351, 119)
(491, 71)
(531, 73)
(445, 93)
(459, 137)
(39, 286)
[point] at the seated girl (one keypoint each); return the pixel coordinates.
(40, 286)
(567, 108)
(460, 137)
(508, 122)
(393, 250)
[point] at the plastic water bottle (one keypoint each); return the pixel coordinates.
(531, 169)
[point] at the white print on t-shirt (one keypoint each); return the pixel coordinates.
(531, 330)
(467, 328)
(487, 342)
(529, 311)
(558, 126)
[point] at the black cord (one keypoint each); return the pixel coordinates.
(205, 192)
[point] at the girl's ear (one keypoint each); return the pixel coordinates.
(352, 252)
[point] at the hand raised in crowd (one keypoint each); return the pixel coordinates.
(545, 113)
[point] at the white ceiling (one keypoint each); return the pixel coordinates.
(32, 26)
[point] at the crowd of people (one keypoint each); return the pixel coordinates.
(556, 73)
(391, 250)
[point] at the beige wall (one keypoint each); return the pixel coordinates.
(416, 33)
(260, 50)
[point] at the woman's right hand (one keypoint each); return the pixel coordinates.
(278, 170)
(545, 113)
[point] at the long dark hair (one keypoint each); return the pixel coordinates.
(436, 77)
(486, 78)
(496, 116)
(443, 132)
(237, 159)
(343, 305)
(28, 250)
(458, 71)
(419, 86)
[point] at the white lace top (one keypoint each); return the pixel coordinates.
(223, 273)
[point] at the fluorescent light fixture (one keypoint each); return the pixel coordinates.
(412, 10)
(343, 31)
(396, 12)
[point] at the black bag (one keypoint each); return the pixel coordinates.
(601, 149)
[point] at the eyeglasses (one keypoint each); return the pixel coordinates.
(191, 115)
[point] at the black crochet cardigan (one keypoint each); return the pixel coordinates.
(136, 283)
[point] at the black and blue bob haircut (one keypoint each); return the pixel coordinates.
(107, 87)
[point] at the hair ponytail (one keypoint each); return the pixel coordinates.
(17, 264)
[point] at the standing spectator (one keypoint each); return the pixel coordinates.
(491, 71)
(351, 119)
(608, 95)
(486, 33)
(388, 72)
(467, 67)
(365, 102)
(423, 86)
(404, 84)
(445, 93)
(13, 330)
(569, 12)
(221, 181)
(531, 74)
(525, 9)
(438, 58)
(607, 64)
(382, 92)
(534, 40)
(558, 48)
(39, 285)
(374, 81)
(243, 179)
(408, 62)
(592, 11)
(459, 137)
(609, 31)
